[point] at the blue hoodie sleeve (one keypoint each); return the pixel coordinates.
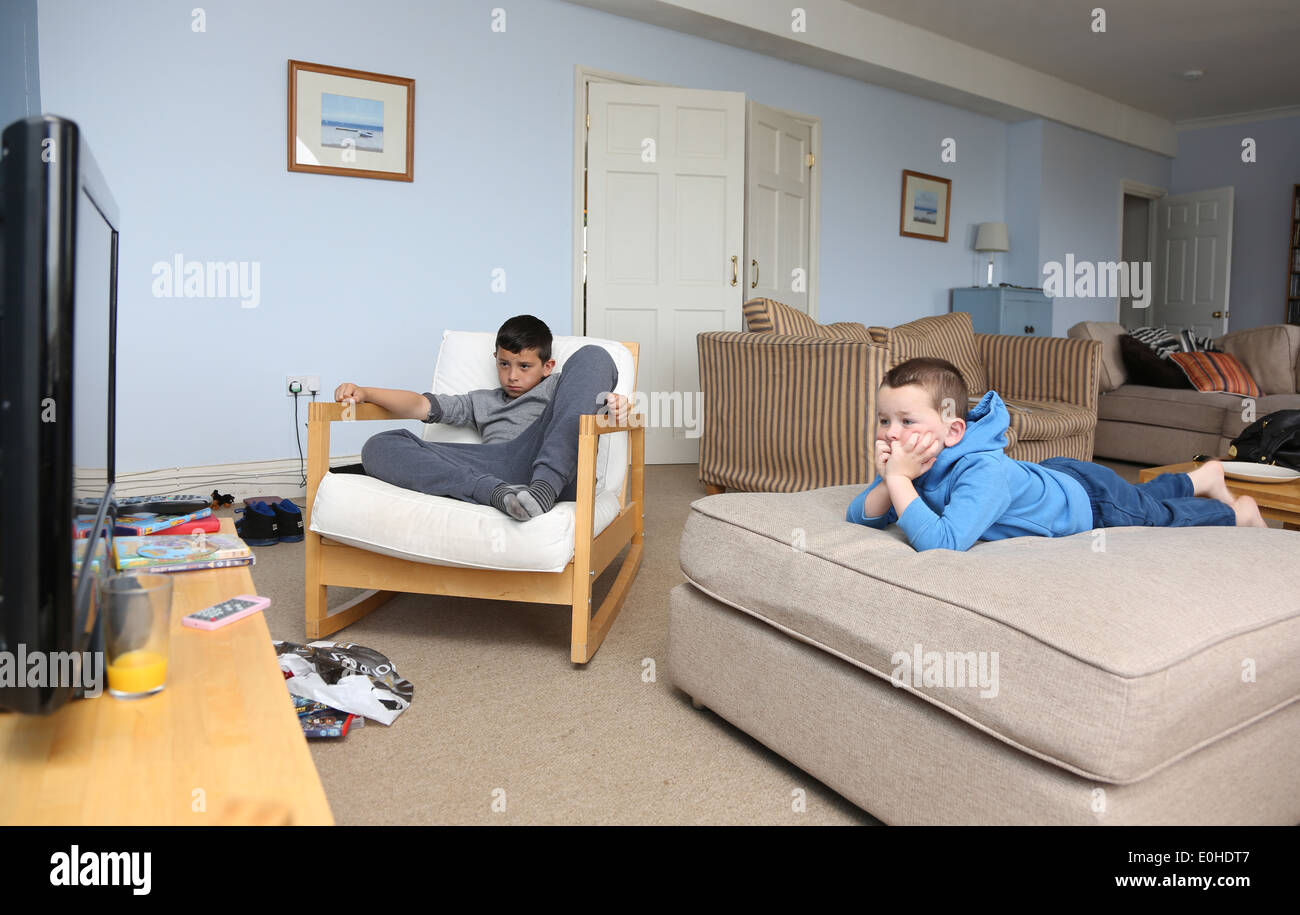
(978, 498)
(858, 505)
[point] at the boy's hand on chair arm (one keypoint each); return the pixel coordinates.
(348, 392)
(912, 456)
(617, 408)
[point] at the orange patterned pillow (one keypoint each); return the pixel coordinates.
(1217, 372)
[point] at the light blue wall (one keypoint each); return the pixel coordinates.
(20, 85)
(1024, 184)
(1210, 158)
(1074, 209)
(359, 277)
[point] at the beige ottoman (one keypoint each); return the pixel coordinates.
(1131, 676)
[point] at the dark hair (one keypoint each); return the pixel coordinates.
(525, 332)
(940, 378)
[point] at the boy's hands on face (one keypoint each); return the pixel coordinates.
(348, 392)
(912, 455)
(882, 455)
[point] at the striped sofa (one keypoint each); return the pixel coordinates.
(790, 405)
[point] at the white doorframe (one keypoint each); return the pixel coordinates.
(584, 76)
(1129, 188)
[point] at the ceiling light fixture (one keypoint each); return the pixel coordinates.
(1193, 74)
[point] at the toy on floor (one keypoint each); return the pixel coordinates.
(219, 500)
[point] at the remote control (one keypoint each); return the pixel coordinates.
(226, 612)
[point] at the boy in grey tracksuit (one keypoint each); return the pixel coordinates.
(528, 458)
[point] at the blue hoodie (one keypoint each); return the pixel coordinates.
(973, 491)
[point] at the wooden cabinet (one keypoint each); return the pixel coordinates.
(1004, 310)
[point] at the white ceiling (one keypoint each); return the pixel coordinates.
(1249, 49)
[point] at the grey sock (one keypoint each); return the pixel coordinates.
(505, 498)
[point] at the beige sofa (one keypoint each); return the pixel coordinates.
(1135, 678)
(1149, 425)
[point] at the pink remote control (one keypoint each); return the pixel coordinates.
(226, 612)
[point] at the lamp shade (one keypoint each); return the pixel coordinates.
(992, 236)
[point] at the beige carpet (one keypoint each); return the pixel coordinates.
(498, 705)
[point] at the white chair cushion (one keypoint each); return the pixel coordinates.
(377, 516)
(465, 364)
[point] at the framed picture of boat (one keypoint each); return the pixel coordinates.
(926, 199)
(350, 122)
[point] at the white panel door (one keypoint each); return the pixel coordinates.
(778, 201)
(665, 225)
(1194, 261)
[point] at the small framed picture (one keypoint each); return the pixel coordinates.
(926, 199)
(350, 122)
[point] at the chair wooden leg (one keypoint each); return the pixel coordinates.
(712, 490)
(316, 594)
(349, 613)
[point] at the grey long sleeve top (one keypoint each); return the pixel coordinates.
(498, 417)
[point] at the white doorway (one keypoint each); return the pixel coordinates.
(665, 235)
(660, 204)
(1137, 242)
(1194, 261)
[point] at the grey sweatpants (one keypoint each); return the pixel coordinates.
(546, 450)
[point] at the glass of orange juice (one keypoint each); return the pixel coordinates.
(137, 617)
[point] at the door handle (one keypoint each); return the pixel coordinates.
(1217, 314)
(754, 284)
(1029, 328)
(735, 276)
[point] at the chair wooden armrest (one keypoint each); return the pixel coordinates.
(602, 424)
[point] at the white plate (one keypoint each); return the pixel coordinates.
(1259, 473)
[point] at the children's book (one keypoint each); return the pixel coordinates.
(207, 525)
(179, 554)
(139, 524)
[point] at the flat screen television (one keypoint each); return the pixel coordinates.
(58, 327)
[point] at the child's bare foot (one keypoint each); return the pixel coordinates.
(1207, 480)
(1247, 512)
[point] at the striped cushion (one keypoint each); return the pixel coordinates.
(1217, 372)
(950, 337)
(1038, 420)
(772, 317)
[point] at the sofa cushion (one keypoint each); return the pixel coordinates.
(1107, 333)
(1271, 355)
(950, 336)
(1210, 372)
(1115, 657)
(773, 317)
(1172, 408)
(1047, 420)
(1143, 365)
(1234, 421)
(368, 513)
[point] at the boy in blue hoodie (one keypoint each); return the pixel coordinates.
(948, 483)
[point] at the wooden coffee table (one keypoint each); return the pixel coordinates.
(220, 745)
(1277, 501)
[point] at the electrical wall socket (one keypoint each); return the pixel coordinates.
(309, 383)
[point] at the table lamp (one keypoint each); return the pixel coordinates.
(991, 237)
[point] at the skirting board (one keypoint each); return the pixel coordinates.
(252, 478)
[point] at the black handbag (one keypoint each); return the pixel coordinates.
(1271, 439)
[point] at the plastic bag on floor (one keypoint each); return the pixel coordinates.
(348, 677)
